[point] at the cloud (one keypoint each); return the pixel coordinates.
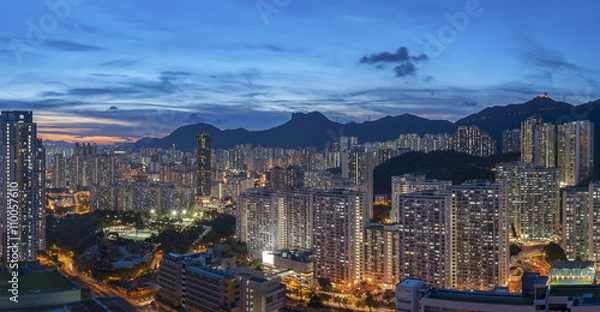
(401, 55)
(268, 47)
(102, 91)
(119, 63)
(175, 74)
(109, 75)
(50, 94)
(220, 121)
(405, 62)
(164, 85)
(429, 78)
(78, 26)
(405, 69)
(66, 45)
(274, 48)
(194, 118)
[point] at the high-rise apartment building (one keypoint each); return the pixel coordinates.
(59, 171)
(410, 183)
(577, 223)
(594, 222)
(527, 137)
(203, 163)
(511, 141)
(575, 151)
(269, 220)
(478, 236)
(22, 188)
(472, 141)
(361, 164)
(338, 245)
(544, 144)
(78, 167)
(258, 222)
(533, 198)
(295, 220)
(382, 254)
(424, 223)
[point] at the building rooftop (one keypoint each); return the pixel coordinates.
(411, 282)
(295, 255)
(575, 291)
(500, 296)
(573, 265)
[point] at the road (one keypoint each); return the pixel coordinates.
(98, 289)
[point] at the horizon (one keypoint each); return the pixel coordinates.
(291, 116)
(119, 72)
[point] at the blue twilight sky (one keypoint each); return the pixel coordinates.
(120, 70)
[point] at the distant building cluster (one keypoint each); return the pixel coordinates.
(309, 215)
(468, 140)
(569, 147)
(141, 197)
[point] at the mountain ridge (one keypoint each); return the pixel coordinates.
(316, 130)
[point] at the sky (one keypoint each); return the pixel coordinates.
(114, 71)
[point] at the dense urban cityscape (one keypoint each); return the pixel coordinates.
(282, 155)
(254, 228)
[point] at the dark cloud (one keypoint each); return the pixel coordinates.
(405, 62)
(119, 63)
(468, 104)
(66, 45)
(406, 69)
(401, 55)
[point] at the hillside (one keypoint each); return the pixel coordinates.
(442, 165)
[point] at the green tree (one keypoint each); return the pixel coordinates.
(324, 283)
(370, 300)
(389, 295)
(553, 252)
(315, 302)
(514, 249)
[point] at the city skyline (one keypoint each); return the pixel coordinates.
(106, 73)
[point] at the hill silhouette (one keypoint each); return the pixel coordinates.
(303, 130)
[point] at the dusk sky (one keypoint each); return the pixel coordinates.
(108, 71)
